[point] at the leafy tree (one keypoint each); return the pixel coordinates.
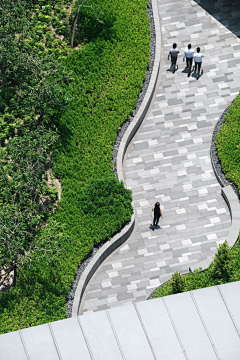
(28, 84)
(43, 91)
(24, 166)
(13, 31)
(25, 199)
(79, 6)
(16, 253)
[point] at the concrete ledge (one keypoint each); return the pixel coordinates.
(121, 237)
(96, 261)
(134, 125)
(234, 207)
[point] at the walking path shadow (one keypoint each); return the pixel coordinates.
(225, 11)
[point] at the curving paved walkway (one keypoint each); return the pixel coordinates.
(168, 160)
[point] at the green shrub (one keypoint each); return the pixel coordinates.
(62, 29)
(39, 32)
(44, 18)
(228, 143)
(47, 10)
(8, 125)
(108, 202)
(177, 283)
(221, 268)
(56, 22)
(60, 13)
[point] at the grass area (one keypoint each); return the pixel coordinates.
(228, 143)
(108, 72)
(224, 268)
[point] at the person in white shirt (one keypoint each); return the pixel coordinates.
(188, 54)
(197, 57)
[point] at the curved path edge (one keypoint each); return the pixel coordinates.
(134, 125)
(227, 191)
(125, 233)
(234, 207)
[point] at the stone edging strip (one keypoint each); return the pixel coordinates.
(96, 261)
(134, 125)
(121, 237)
(234, 207)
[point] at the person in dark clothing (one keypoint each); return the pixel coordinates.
(174, 55)
(157, 213)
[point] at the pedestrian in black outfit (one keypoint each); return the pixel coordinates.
(174, 55)
(197, 57)
(157, 213)
(188, 54)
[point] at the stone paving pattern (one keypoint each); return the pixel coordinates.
(169, 158)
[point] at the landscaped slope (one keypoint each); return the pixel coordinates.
(107, 76)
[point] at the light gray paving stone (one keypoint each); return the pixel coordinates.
(174, 144)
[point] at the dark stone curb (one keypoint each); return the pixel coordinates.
(126, 136)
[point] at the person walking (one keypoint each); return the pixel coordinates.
(157, 213)
(197, 57)
(188, 54)
(174, 55)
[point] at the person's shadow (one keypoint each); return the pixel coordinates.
(155, 227)
(171, 68)
(194, 74)
(185, 71)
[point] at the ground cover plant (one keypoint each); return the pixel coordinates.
(228, 143)
(106, 69)
(224, 268)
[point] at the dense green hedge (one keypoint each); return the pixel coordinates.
(228, 143)
(108, 74)
(224, 268)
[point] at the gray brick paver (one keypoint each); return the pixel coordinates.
(174, 141)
